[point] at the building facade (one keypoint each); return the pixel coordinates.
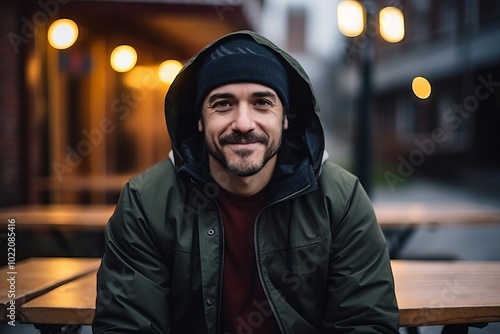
(73, 129)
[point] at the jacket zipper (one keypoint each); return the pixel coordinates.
(221, 267)
(221, 257)
(257, 258)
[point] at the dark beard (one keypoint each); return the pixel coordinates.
(239, 169)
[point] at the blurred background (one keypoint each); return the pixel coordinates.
(409, 96)
(74, 128)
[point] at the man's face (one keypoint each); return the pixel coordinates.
(243, 125)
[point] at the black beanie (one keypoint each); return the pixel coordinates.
(242, 60)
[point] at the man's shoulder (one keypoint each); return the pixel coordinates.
(337, 182)
(158, 175)
(332, 172)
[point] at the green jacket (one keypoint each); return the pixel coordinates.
(321, 257)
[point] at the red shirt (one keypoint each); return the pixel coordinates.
(245, 308)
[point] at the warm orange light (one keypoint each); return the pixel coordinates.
(123, 58)
(138, 77)
(62, 34)
(392, 24)
(421, 87)
(168, 70)
(350, 18)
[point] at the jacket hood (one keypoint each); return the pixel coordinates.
(303, 142)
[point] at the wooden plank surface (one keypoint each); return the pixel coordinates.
(81, 217)
(36, 276)
(441, 292)
(428, 293)
(71, 303)
(417, 213)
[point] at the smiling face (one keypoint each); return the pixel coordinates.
(243, 124)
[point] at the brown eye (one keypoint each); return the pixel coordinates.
(263, 103)
(221, 105)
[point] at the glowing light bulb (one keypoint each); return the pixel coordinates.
(350, 18)
(123, 58)
(392, 24)
(62, 34)
(168, 70)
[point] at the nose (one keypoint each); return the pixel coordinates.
(243, 121)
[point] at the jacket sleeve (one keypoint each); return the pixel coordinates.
(132, 281)
(361, 296)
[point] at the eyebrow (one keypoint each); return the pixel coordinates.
(264, 94)
(217, 96)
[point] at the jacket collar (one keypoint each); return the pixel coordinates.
(302, 180)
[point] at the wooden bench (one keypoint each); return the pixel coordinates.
(36, 276)
(428, 293)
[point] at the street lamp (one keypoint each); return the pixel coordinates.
(392, 24)
(350, 18)
(353, 18)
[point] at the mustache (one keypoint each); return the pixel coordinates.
(243, 138)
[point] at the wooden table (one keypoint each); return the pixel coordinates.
(36, 276)
(63, 224)
(428, 293)
(400, 221)
(447, 292)
(60, 217)
(417, 213)
(95, 217)
(73, 302)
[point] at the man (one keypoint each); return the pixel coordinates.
(247, 228)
